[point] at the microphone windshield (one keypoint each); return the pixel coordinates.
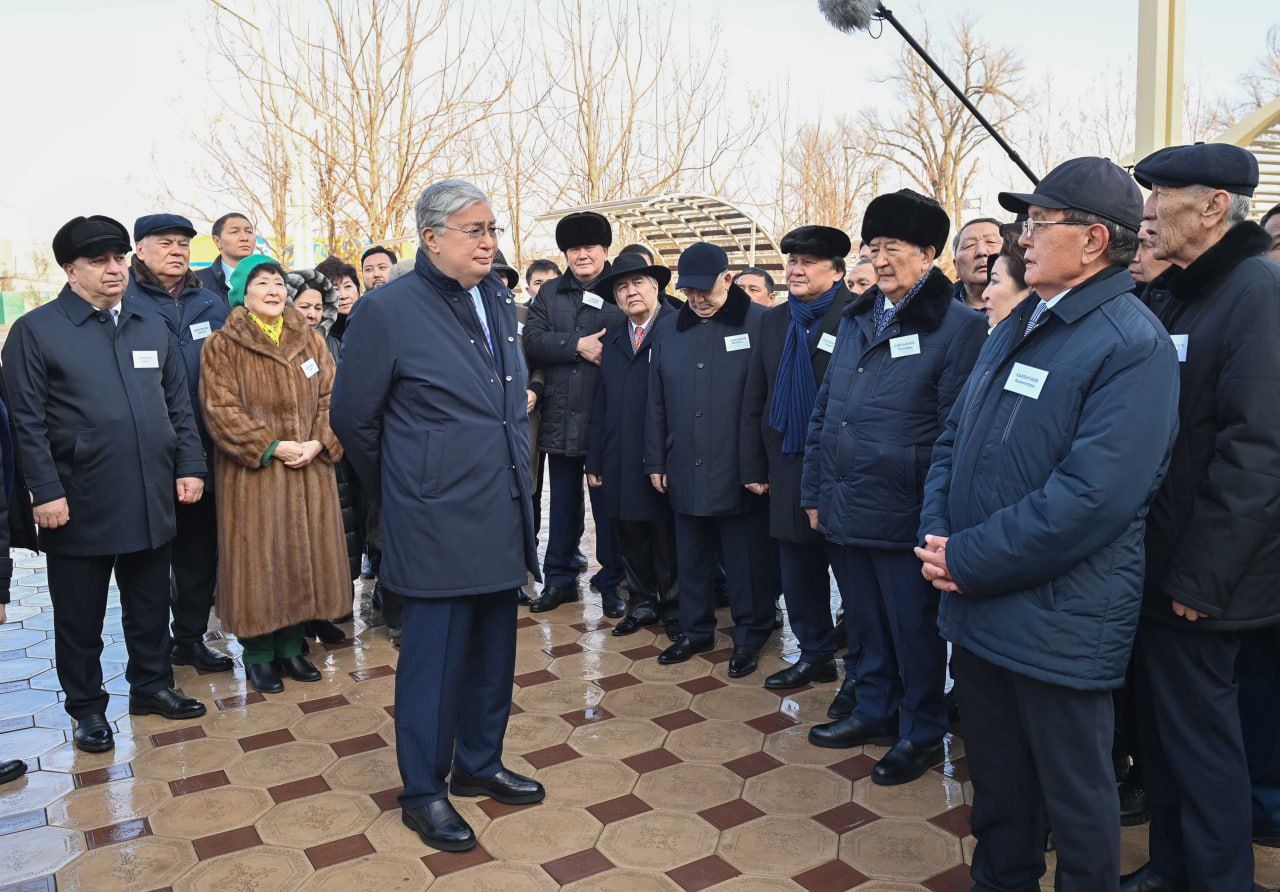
(849, 15)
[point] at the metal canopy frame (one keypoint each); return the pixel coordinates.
(1259, 132)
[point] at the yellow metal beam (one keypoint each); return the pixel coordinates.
(1161, 38)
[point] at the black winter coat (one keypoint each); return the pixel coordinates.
(212, 280)
(617, 425)
(762, 458)
(17, 525)
(558, 317)
(694, 425)
(1213, 536)
(350, 498)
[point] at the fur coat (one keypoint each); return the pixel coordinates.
(281, 555)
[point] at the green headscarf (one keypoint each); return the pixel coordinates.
(240, 276)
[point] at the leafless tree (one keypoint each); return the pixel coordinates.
(828, 174)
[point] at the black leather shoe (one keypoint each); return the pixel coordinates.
(842, 706)
(168, 703)
(200, 656)
(93, 734)
(264, 678)
(614, 606)
(523, 598)
(323, 630)
(905, 762)
(684, 650)
(848, 733)
(1144, 879)
(801, 674)
(1133, 804)
(12, 769)
(299, 669)
(635, 621)
(579, 561)
(743, 661)
(505, 786)
(552, 597)
(439, 825)
(672, 628)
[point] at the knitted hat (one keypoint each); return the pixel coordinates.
(240, 277)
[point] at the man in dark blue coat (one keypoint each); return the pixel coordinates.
(234, 236)
(796, 340)
(691, 451)
(160, 274)
(1034, 513)
(903, 351)
(104, 424)
(431, 406)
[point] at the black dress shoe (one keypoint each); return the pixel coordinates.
(635, 621)
(743, 661)
(552, 597)
(579, 561)
(848, 733)
(199, 655)
(801, 674)
(264, 678)
(905, 762)
(505, 786)
(614, 606)
(93, 735)
(1133, 804)
(672, 628)
(842, 706)
(523, 598)
(439, 825)
(1144, 879)
(684, 650)
(299, 669)
(323, 630)
(168, 703)
(11, 770)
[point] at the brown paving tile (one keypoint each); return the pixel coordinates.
(673, 720)
(372, 673)
(703, 873)
(240, 700)
(361, 744)
(103, 775)
(619, 809)
(647, 652)
(834, 876)
(442, 863)
(844, 818)
(718, 656)
(750, 766)
(113, 833)
(774, 721)
(956, 879)
(231, 841)
(577, 866)
(391, 710)
(956, 820)
(340, 850)
(588, 716)
(552, 755)
(650, 761)
(515, 710)
(22, 821)
(565, 650)
(614, 682)
(495, 809)
(525, 622)
(854, 769)
(702, 685)
(270, 738)
(197, 782)
(540, 676)
(730, 814)
(310, 706)
(308, 786)
(387, 799)
(164, 738)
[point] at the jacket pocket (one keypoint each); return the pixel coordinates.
(429, 485)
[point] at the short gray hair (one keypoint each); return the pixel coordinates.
(1122, 242)
(624, 277)
(440, 201)
(1238, 208)
(400, 268)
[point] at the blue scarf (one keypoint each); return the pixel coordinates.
(886, 312)
(795, 392)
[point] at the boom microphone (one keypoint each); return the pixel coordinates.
(849, 15)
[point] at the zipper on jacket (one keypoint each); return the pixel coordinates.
(1012, 415)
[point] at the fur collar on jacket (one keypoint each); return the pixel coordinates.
(925, 311)
(296, 336)
(144, 276)
(733, 313)
(1242, 241)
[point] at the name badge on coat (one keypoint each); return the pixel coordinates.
(1180, 344)
(310, 368)
(737, 342)
(907, 345)
(520, 328)
(1026, 380)
(592, 300)
(827, 343)
(200, 331)
(146, 359)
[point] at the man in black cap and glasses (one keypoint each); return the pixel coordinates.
(1034, 513)
(107, 440)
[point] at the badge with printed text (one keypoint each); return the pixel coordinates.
(592, 300)
(520, 328)
(310, 368)
(827, 343)
(737, 342)
(907, 345)
(1026, 380)
(146, 359)
(200, 331)
(1180, 344)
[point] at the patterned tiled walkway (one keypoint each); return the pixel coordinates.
(658, 778)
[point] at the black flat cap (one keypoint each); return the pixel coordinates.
(1213, 164)
(153, 223)
(909, 216)
(820, 241)
(583, 228)
(1093, 185)
(627, 266)
(89, 237)
(504, 269)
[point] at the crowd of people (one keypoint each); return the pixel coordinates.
(1053, 479)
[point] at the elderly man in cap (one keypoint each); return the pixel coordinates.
(1034, 513)
(902, 353)
(567, 323)
(787, 368)
(235, 238)
(160, 275)
(107, 437)
(974, 243)
(692, 439)
(1213, 537)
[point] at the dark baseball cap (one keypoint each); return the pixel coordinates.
(1093, 185)
(700, 265)
(1213, 164)
(152, 223)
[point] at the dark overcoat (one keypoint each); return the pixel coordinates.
(212, 279)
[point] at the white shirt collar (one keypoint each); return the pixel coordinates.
(1048, 304)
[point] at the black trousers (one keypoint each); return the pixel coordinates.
(195, 568)
(1258, 673)
(78, 589)
(649, 555)
(806, 588)
(1194, 765)
(567, 476)
(1034, 747)
(743, 540)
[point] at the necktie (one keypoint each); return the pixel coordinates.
(115, 316)
(1035, 316)
(639, 337)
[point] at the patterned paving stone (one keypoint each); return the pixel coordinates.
(150, 862)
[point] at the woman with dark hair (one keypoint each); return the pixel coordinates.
(1006, 282)
(346, 284)
(265, 382)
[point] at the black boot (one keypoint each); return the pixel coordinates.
(614, 606)
(299, 669)
(198, 654)
(325, 631)
(92, 734)
(264, 678)
(743, 661)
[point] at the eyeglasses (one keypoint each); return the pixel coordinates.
(476, 232)
(1029, 226)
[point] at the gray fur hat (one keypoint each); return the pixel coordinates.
(300, 280)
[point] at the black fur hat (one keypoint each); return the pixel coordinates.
(908, 216)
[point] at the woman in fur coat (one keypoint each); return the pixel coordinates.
(265, 383)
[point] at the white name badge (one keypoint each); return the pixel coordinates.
(827, 343)
(520, 328)
(1026, 380)
(592, 300)
(907, 345)
(200, 331)
(146, 359)
(737, 342)
(310, 368)
(1180, 344)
